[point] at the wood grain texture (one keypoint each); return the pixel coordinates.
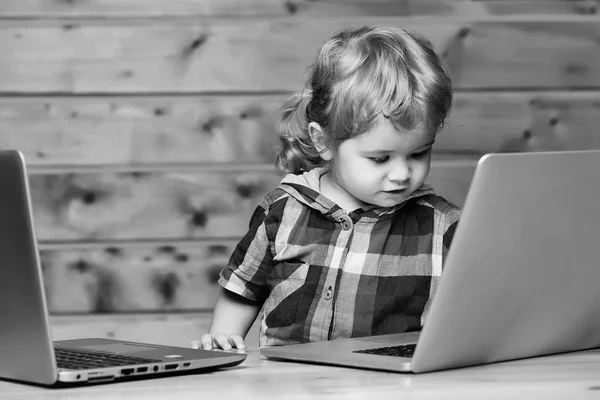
(522, 122)
(290, 8)
(134, 277)
(145, 205)
(231, 129)
(118, 130)
(261, 54)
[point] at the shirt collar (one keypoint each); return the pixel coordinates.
(305, 188)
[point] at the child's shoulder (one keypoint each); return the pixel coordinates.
(440, 205)
(275, 199)
(296, 188)
(274, 196)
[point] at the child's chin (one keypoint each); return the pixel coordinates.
(390, 203)
(390, 199)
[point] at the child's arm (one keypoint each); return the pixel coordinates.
(232, 318)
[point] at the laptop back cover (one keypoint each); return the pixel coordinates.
(521, 277)
(26, 351)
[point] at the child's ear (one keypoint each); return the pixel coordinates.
(318, 139)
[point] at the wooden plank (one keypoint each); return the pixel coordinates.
(451, 179)
(174, 278)
(262, 54)
(173, 205)
(162, 130)
(144, 205)
(84, 130)
(539, 7)
(173, 329)
(524, 121)
(133, 278)
(279, 8)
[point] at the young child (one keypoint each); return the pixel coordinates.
(351, 243)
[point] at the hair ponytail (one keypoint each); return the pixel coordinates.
(296, 152)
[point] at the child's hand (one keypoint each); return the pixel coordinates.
(219, 341)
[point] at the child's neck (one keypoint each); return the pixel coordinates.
(334, 192)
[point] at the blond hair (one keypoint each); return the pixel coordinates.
(359, 74)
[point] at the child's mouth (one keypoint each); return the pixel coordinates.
(395, 191)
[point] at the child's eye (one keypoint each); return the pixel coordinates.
(420, 154)
(379, 160)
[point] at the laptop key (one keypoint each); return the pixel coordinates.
(82, 359)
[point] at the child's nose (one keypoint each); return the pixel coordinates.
(400, 172)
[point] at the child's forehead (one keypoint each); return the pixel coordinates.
(384, 135)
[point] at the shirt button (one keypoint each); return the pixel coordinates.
(328, 294)
(346, 225)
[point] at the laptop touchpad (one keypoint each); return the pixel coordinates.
(119, 348)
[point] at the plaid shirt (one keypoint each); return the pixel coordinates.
(322, 273)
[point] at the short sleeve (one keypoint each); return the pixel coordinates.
(250, 262)
(448, 236)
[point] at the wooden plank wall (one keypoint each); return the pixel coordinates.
(147, 124)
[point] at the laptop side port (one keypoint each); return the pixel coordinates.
(97, 379)
(127, 371)
(171, 367)
(141, 369)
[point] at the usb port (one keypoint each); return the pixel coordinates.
(127, 371)
(96, 379)
(142, 369)
(186, 364)
(169, 367)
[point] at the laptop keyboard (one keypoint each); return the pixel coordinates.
(83, 359)
(405, 350)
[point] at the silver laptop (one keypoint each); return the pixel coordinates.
(27, 352)
(521, 278)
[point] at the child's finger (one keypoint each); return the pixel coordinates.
(207, 342)
(195, 344)
(223, 341)
(238, 342)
